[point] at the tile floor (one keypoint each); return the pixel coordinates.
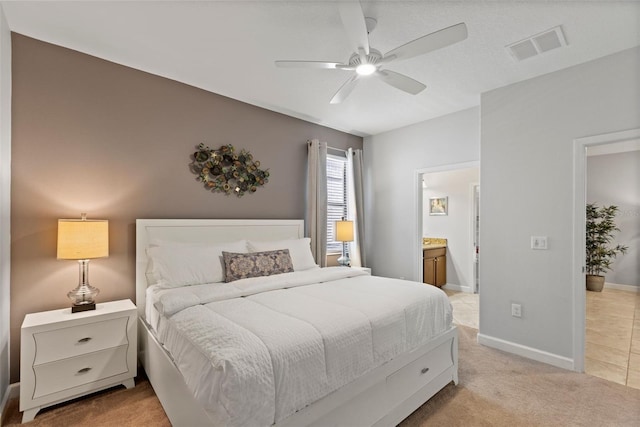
(612, 336)
(465, 308)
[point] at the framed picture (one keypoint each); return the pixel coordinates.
(438, 205)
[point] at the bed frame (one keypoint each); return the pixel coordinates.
(383, 397)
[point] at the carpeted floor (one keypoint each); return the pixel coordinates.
(495, 389)
(118, 406)
(501, 389)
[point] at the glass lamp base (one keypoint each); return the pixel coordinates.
(84, 295)
(344, 261)
(83, 298)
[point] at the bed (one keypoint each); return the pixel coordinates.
(309, 346)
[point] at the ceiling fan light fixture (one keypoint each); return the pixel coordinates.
(366, 61)
(365, 69)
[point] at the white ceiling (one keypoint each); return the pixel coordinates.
(228, 47)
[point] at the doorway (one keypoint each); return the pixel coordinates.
(458, 186)
(580, 199)
(613, 176)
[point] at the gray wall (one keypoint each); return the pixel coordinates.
(5, 202)
(528, 131)
(391, 160)
(93, 136)
(614, 179)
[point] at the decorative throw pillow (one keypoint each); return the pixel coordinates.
(256, 264)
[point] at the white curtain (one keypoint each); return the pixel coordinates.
(355, 209)
(316, 208)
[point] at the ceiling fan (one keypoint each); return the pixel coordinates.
(366, 61)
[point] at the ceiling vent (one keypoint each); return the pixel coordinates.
(538, 44)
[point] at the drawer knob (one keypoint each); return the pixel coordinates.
(84, 370)
(85, 339)
(424, 370)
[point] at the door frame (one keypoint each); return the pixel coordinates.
(579, 226)
(418, 204)
(475, 208)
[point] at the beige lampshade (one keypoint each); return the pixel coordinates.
(344, 231)
(83, 238)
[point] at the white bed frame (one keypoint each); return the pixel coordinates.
(383, 397)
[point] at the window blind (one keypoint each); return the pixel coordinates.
(336, 198)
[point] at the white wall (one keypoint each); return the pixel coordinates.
(527, 189)
(5, 188)
(391, 160)
(614, 179)
(456, 226)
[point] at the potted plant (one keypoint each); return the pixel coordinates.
(600, 252)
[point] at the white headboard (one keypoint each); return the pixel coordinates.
(204, 231)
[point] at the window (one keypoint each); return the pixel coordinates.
(336, 198)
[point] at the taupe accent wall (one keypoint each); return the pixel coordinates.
(97, 137)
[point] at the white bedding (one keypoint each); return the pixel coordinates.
(257, 350)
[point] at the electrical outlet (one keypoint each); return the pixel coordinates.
(516, 310)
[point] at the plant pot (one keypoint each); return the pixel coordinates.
(595, 283)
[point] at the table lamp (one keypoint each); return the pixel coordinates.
(344, 233)
(82, 240)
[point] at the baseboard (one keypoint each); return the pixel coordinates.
(13, 391)
(616, 286)
(528, 352)
(458, 288)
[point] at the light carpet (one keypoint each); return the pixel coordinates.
(495, 389)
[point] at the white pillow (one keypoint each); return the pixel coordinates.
(299, 250)
(174, 264)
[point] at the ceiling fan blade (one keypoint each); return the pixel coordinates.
(354, 24)
(345, 90)
(400, 81)
(307, 64)
(428, 43)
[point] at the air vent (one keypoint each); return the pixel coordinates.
(537, 44)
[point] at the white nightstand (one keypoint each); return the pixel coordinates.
(64, 355)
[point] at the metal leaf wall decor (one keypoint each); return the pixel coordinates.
(223, 170)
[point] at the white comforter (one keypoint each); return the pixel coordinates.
(267, 347)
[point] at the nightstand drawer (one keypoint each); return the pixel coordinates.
(72, 372)
(77, 340)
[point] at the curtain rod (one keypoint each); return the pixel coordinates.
(334, 148)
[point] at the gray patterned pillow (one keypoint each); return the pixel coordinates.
(256, 264)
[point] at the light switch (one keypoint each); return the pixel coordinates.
(539, 242)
